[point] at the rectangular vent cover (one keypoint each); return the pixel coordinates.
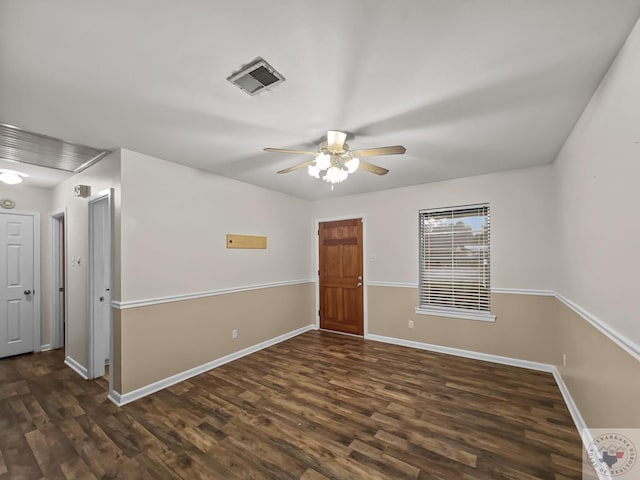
(21, 146)
(256, 77)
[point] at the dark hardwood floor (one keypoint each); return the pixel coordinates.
(317, 406)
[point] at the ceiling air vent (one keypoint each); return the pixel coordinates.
(17, 145)
(256, 77)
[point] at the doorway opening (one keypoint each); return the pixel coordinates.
(59, 279)
(341, 276)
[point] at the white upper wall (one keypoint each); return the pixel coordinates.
(174, 225)
(597, 172)
(522, 208)
(103, 175)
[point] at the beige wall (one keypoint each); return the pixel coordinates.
(116, 362)
(601, 376)
(101, 176)
(597, 175)
(37, 200)
(532, 248)
(164, 339)
(174, 225)
(521, 330)
(522, 253)
(603, 379)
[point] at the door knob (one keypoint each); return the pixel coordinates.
(359, 284)
(27, 292)
(102, 299)
(359, 277)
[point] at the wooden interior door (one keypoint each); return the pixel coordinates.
(341, 298)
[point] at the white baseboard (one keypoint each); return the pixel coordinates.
(579, 422)
(45, 348)
(514, 362)
(115, 397)
(124, 398)
(573, 409)
(76, 367)
(624, 342)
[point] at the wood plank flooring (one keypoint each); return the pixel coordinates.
(319, 406)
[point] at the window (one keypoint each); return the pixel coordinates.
(455, 262)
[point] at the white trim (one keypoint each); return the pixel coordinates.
(524, 291)
(45, 348)
(391, 284)
(36, 281)
(487, 357)
(621, 340)
(470, 315)
(573, 408)
(210, 293)
(123, 399)
(579, 422)
(365, 296)
(628, 345)
(56, 324)
(115, 397)
(76, 367)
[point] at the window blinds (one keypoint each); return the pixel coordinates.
(455, 258)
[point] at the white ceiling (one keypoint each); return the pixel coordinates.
(468, 87)
(37, 176)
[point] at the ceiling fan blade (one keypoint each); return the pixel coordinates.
(372, 152)
(370, 167)
(296, 167)
(286, 150)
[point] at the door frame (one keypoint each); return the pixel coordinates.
(91, 338)
(57, 339)
(36, 273)
(365, 310)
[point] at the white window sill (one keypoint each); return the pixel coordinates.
(481, 316)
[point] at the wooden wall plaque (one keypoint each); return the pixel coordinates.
(246, 241)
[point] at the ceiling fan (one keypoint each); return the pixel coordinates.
(333, 162)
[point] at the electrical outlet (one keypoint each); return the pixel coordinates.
(564, 359)
(410, 323)
(234, 334)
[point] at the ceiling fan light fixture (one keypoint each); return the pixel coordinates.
(314, 171)
(352, 164)
(335, 141)
(11, 177)
(333, 161)
(323, 161)
(335, 175)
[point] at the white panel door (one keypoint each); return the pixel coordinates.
(101, 281)
(16, 284)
